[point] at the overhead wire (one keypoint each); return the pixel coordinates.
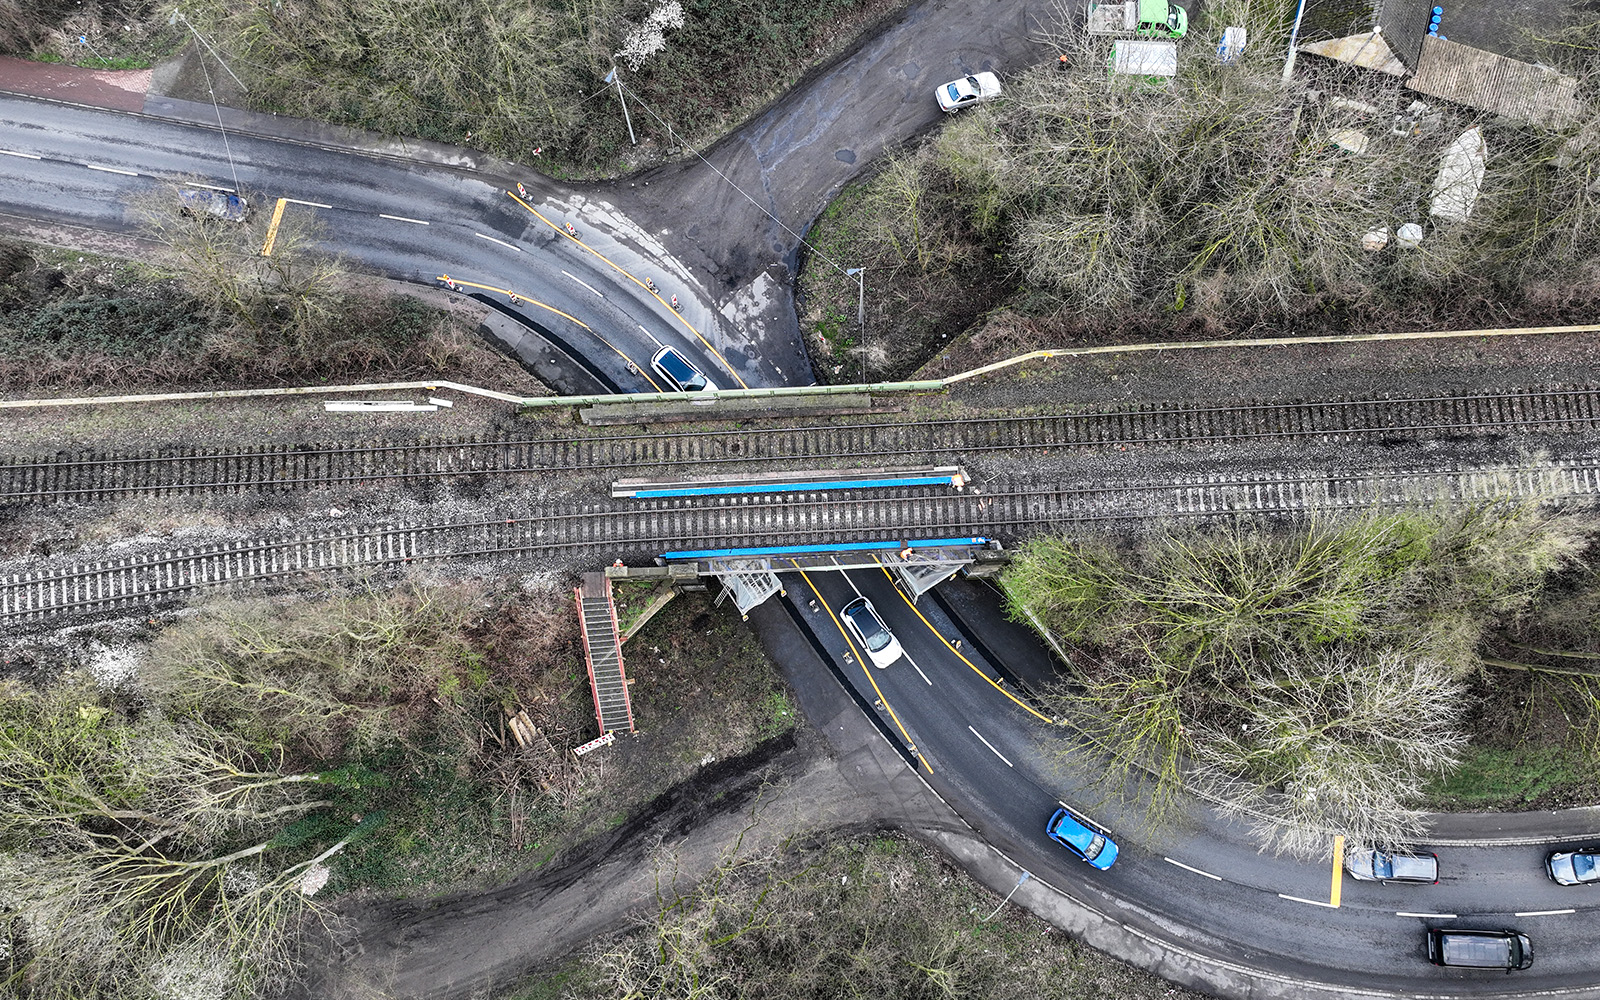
(673, 134)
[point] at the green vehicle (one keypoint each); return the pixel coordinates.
(1159, 19)
(1140, 18)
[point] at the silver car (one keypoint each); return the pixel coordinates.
(1575, 867)
(1386, 867)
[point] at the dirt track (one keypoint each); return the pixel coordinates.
(849, 780)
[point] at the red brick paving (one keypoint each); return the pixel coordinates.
(121, 89)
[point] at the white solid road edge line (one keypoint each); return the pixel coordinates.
(1313, 902)
(990, 746)
(503, 243)
(1191, 868)
(1434, 916)
(113, 170)
(1544, 913)
(25, 156)
(401, 218)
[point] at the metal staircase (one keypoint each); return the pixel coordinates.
(602, 648)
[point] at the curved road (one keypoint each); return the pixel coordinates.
(414, 223)
(1205, 884)
(726, 239)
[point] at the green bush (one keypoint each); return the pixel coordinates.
(117, 326)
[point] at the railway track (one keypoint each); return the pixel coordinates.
(96, 476)
(1009, 512)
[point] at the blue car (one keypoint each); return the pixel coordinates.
(1093, 847)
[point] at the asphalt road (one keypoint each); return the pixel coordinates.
(1005, 771)
(729, 242)
(722, 232)
(82, 166)
(740, 223)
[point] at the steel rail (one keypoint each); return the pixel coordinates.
(641, 530)
(288, 468)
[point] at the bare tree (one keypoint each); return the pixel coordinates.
(296, 288)
(1310, 677)
(1333, 743)
(121, 844)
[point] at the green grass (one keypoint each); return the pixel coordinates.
(778, 715)
(439, 832)
(632, 597)
(1507, 778)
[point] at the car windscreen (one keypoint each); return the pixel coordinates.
(1583, 866)
(1096, 845)
(682, 371)
(954, 92)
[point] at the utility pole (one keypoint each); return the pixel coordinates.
(612, 77)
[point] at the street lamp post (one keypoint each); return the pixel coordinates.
(860, 274)
(1288, 62)
(612, 77)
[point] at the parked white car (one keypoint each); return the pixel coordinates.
(968, 90)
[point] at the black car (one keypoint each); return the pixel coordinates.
(1472, 949)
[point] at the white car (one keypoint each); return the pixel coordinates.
(861, 618)
(968, 90)
(677, 370)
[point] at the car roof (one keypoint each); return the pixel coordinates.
(1066, 826)
(1421, 866)
(675, 363)
(1491, 949)
(859, 606)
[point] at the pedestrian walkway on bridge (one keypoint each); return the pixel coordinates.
(750, 575)
(602, 648)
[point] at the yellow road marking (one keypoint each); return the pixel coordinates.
(980, 673)
(624, 272)
(862, 660)
(1338, 870)
(520, 298)
(272, 229)
(1210, 345)
(535, 302)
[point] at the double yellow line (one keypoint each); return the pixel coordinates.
(648, 290)
(862, 661)
(975, 669)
